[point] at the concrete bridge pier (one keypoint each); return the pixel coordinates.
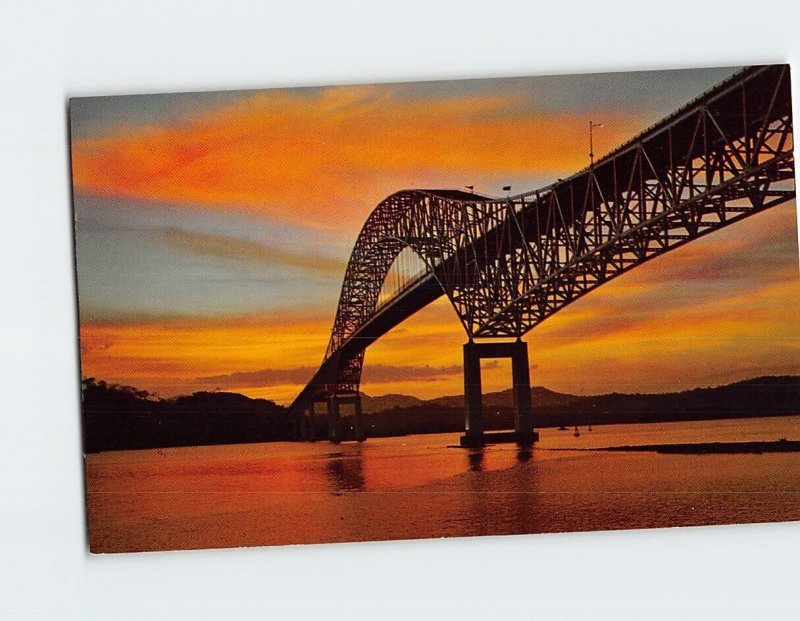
(360, 431)
(312, 431)
(521, 391)
(521, 381)
(473, 402)
(334, 422)
(334, 417)
(303, 426)
(298, 426)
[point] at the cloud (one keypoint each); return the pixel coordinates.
(245, 250)
(333, 155)
(263, 377)
(378, 373)
(762, 244)
(165, 355)
(91, 344)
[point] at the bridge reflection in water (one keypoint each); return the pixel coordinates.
(345, 472)
(506, 264)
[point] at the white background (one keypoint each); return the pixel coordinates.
(49, 51)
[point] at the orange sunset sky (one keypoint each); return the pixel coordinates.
(213, 230)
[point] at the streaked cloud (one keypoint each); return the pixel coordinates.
(379, 373)
(165, 355)
(243, 250)
(164, 259)
(97, 116)
(334, 156)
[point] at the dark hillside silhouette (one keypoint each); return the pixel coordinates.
(763, 396)
(122, 417)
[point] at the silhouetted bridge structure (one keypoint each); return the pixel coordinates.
(506, 264)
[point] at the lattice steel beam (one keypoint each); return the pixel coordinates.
(508, 264)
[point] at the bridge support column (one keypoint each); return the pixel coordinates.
(334, 422)
(297, 425)
(521, 378)
(312, 431)
(521, 391)
(473, 406)
(335, 419)
(360, 431)
(303, 426)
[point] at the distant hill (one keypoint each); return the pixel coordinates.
(540, 397)
(122, 417)
(762, 396)
(370, 405)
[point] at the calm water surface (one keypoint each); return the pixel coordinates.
(417, 486)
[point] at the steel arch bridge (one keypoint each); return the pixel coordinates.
(506, 264)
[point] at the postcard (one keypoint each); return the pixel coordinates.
(438, 309)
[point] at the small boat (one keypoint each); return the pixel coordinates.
(576, 433)
(562, 428)
(589, 428)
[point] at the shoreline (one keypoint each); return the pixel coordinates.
(703, 448)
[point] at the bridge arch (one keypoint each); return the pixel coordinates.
(406, 219)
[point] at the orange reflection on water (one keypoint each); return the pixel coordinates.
(415, 486)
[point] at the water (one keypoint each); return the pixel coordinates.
(416, 486)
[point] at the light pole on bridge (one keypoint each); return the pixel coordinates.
(591, 143)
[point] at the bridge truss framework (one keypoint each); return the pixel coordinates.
(508, 264)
